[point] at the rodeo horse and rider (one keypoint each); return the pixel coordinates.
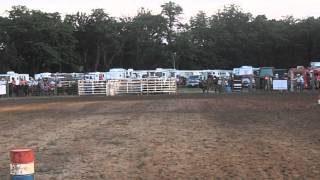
(211, 83)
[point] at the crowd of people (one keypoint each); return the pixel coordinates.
(42, 87)
(19, 88)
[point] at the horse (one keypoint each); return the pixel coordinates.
(203, 84)
(210, 84)
(215, 84)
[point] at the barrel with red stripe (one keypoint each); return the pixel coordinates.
(22, 164)
(21, 156)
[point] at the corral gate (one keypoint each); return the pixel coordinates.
(128, 86)
(92, 87)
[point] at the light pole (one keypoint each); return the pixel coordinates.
(174, 60)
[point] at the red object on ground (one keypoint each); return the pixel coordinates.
(21, 156)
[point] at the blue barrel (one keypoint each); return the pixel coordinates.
(24, 177)
(228, 89)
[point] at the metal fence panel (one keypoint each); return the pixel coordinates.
(128, 86)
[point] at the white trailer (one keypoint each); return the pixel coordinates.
(95, 76)
(117, 73)
(187, 73)
(10, 75)
(42, 75)
(246, 74)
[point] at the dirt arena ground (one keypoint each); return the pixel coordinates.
(195, 136)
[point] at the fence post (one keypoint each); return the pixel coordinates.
(7, 89)
(169, 81)
(147, 86)
(107, 87)
(127, 86)
(162, 82)
(79, 85)
(141, 87)
(92, 87)
(22, 164)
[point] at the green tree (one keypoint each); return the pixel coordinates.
(32, 41)
(43, 42)
(149, 31)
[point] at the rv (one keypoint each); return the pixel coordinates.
(10, 75)
(42, 75)
(95, 76)
(245, 74)
(116, 74)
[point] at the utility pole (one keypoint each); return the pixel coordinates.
(174, 59)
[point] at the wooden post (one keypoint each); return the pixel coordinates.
(291, 81)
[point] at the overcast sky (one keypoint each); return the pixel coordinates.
(118, 8)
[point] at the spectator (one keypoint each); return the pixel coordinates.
(22, 84)
(13, 87)
(300, 83)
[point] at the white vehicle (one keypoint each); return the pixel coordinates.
(139, 74)
(245, 73)
(95, 76)
(10, 75)
(187, 73)
(78, 76)
(161, 73)
(42, 75)
(217, 72)
(116, 74)
(157, 73)
(315, 64)
(194, 80)
(246, 81)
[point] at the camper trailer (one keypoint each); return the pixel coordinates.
(245, 74)
(162, 73)
(11, 74)
(42, 75)
(116, 74)
(95, 76)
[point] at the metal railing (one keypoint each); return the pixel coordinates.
(128, 86)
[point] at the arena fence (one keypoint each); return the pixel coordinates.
(67, 88)
(237, 85)
(127, 86)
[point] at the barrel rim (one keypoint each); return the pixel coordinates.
(21, 150)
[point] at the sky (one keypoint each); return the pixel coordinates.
(273, 9)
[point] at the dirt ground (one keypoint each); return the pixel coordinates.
(195, 136)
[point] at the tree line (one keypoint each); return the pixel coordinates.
(33, 41)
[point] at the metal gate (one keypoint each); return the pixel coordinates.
(92, 87)
(128, 86)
